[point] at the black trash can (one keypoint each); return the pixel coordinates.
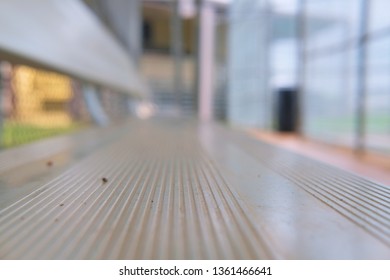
(286, 110)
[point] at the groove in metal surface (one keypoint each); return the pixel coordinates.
(365, 203)
(156, 203)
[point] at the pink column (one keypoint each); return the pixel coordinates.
(206, 61)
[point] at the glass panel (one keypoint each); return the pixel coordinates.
(329, 98)
(283, 45)
(331, 22)
(379, 14)
(285, 6)
(248, 64)
(378, 95)
(158, 64)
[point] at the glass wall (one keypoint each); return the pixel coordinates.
(340, 37)
(336, 52)
(330, 53)
(248, 64)
(378, 77)
(283, 54)
(168, 58)
(379, 15)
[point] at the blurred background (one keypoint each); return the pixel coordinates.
(317, 69)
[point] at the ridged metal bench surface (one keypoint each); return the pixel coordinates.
(180, 190)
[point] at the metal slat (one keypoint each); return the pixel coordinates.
(365, 203)
(152, 206)
(179, 190)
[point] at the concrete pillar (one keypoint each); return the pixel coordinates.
(206, 61)
(177, 50)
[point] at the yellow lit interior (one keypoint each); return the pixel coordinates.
(33, 88)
